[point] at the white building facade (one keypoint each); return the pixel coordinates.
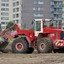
(5, 12)
(17, 12)
(10, 10)
(20, 11)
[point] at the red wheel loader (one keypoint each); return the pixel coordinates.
(46, 37)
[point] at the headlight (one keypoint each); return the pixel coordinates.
(51, 35)
(30, 35)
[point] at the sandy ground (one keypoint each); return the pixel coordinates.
(34, 58)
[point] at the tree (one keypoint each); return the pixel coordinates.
(9, 25)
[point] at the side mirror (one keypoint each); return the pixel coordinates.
(32, 21)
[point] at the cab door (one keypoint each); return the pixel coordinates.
(38, 26)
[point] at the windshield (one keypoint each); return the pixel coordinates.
(51, 23)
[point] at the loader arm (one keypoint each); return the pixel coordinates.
(4, 31)
(16, 29)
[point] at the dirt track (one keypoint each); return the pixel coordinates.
(51, 58)
(34, 58)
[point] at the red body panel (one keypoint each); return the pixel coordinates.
(18, 31)
(28, 33)
(54, 34)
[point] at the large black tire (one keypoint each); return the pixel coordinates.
(3, 46)
(44, 45)
(3, 43)
(51, 47)
(5, 51)
(22, 42)
(30, 50)
(61, 50)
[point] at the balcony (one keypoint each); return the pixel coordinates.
(58, 6)
(58, 0)
(57, 12)
(55, 18)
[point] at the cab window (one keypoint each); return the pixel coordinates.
(38, 25)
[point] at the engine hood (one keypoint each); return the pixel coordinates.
(51, 29)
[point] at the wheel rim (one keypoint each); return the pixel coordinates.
(42, 46)
(19, 46)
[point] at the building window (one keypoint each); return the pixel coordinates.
(13, 15)
(63, 16)
(63, 2)
(40, 2)
(57, 2)
(4, 0)
(58, 10)
(38, 15)
(52, 15)
(52, 9)
(3, 4)
(4, 18)
(2, 22)
(4, 9)
(17, 9)
(6, 22)
(34, 8)
(35, 2)
(58, 16)
(3, 27)
(52, 3)
(7, 4)
(40, 9)
(63, 9)
(14, 10)
(14, 4)
(17, 15)
(14, 0)
(17, 21)
(5, 14)
(17, 3)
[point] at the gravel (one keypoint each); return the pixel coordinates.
(34, 58)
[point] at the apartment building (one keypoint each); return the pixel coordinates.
(5, 12)
(56, 10)
(17, 12)
(10, 10)
(25, 11)
(63, 16)
(33, 9)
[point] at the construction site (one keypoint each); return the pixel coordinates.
(34, 58)
(43, 45)
(31, 32)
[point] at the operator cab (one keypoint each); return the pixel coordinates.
(40, 24)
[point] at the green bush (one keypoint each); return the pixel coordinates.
(9, 25)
